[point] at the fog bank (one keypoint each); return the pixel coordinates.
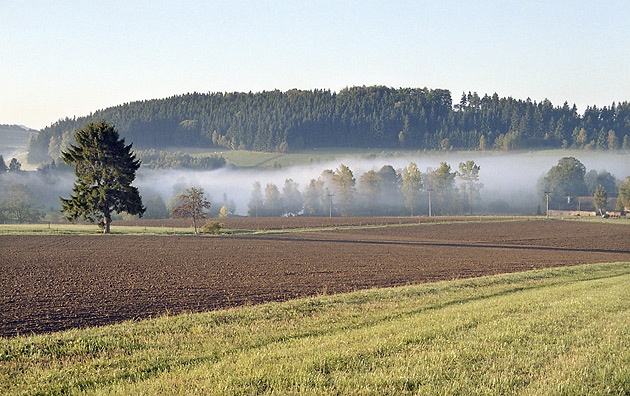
(511, 178)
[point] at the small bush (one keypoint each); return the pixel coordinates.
(212, 227)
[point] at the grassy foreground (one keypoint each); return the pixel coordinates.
(559, 332)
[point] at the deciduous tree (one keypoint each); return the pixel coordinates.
(411, 186)
(19, 206)
(315, 198)
(344, 183)
(469, 175)
(623, 199)
(273, 200)
(193, 204)
(291, 198)
(256, 200)
(566, 179)
(390, 200)
(156, 208)
(613, 142)
(442, 181)
(600, 199)
(370, 190)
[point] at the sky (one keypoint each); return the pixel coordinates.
(69, 58)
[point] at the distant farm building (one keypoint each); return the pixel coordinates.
(567, 213)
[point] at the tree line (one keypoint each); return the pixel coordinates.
(383, 192)
(375, 116)
(439, 191)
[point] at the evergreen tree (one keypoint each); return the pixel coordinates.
(3, 166)
(14, 165)
(105, 169)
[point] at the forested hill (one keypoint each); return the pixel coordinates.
(374, 116)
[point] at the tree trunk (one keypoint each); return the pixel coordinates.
(106, 223)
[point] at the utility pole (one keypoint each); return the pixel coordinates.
(429, 190)
(547, 195)
(330, 202)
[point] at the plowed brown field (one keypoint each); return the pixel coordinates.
(50, 283)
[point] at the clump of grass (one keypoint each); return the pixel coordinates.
(212, 228)
(559, 331)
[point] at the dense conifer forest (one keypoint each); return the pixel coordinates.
(374, 116)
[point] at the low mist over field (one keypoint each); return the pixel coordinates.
(506, 177)
(509, 180)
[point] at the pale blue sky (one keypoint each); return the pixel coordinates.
(67, 58)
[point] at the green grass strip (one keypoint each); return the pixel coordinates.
(89, 229)
(624, 220)
(559, 331)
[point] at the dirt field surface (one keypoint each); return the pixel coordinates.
(51, 283)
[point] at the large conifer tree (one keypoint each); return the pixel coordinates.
(105, 169)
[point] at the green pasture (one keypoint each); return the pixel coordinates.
(87, 229)
(91, 229)
(562, 331)
(256, 159)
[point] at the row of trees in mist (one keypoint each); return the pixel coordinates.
(373, 116)
(440, 191)
(383, 192)
(29, 196)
